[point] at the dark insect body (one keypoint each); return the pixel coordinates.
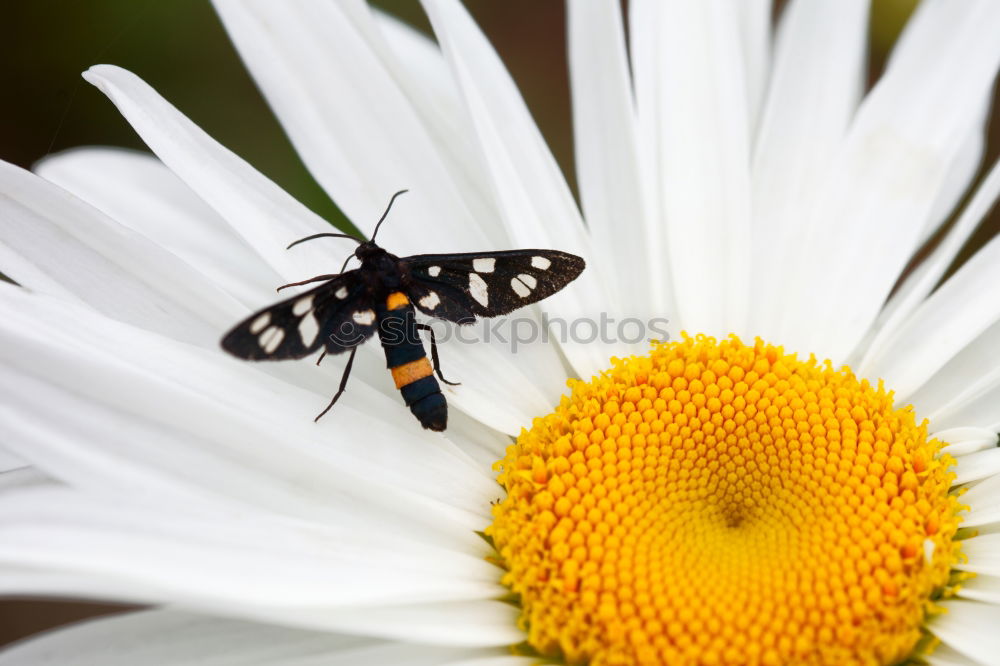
(382, 297)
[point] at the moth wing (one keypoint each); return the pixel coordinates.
(337, 315)
(460, 287)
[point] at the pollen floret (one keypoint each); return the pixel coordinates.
(718, 503)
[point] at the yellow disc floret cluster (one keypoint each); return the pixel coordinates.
(719, 503)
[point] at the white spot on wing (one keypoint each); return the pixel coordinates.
(434, 271)
(519, 287)
(483, 265)
(303, 305)
(364, 317)
(341, 293)
(528, 280)
(260, 323)
(308, 329)
(541, 263)
(430, 301)
(478, 289)
(271, 339)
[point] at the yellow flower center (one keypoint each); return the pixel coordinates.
(718, 503)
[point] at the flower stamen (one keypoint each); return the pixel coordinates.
(718, 503)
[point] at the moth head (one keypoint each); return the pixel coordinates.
(368, 250)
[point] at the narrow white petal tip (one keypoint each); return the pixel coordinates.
(945, 656)
(977, 466)
(983, 500)
(965, 440)
(95, 74)
(983, 554)
(982, 587)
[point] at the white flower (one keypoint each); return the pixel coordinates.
(729, 187)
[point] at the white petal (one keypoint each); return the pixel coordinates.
(755, 35)
(506, 660)
(167, 637)
(959, 394)
(981, 588)
(946, 656)
(963, 441)
(423, 73)
(604, 125)
(983, 500)
(531, 193)
(982, 408)
(969, 627)
(472, 623)
(927, 275)
(961, 174)
(872, 212)
(953, 316)
(643, 39)
(475, 623)
(702, 139)
(484, 445)
(247, 566)
(976, 466)
(10, 461)
(210, 555)
(292, 487)
(393, 654)
(141, 414)
(983, 552)
(52, 242)
(816, 83)
(23, 476)
(335, 89)
(138, 191)
(261, 212)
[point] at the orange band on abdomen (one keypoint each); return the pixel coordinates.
(396, 300)
(411, 372)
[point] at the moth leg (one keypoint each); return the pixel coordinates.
(321, 357)
(434, 354)
(343, 384)
(318, 278)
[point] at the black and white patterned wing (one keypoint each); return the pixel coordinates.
(337, 315)
(460, 287)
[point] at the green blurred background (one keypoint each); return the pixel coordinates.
(180, 48)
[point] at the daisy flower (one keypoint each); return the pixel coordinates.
(806, 473)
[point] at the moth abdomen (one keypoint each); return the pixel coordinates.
(427, 403)
(407, 361)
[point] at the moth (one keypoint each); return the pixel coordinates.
(381, 297)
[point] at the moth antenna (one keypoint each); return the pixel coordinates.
(387, 209)
(324, 235)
